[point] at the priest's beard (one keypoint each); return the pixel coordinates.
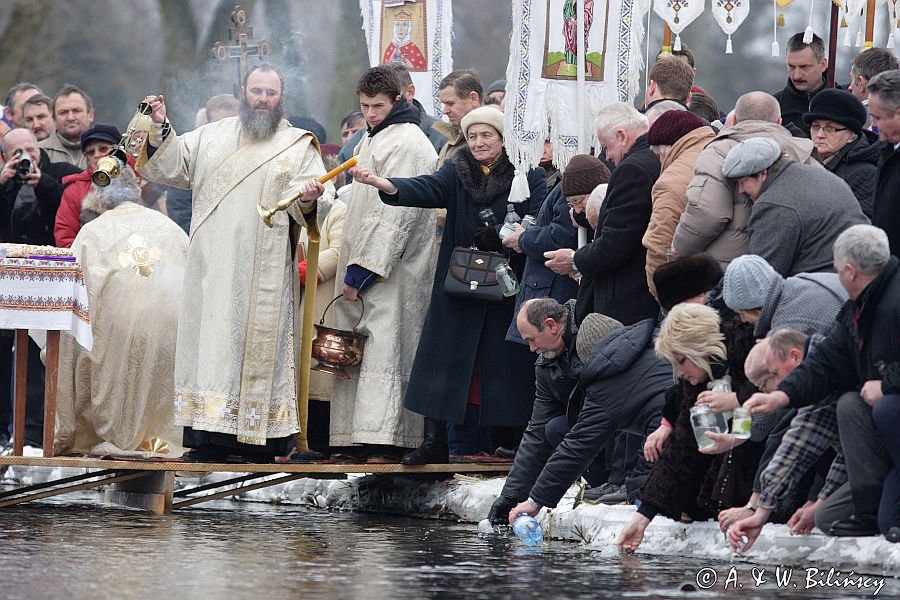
(260, 126)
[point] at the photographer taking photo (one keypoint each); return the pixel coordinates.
(30, 189)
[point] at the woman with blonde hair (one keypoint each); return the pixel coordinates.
(682, 481)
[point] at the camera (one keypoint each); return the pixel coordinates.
(24, 166)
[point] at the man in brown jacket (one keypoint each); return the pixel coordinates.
(717, 215)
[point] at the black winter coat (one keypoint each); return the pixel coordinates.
(36, 225)
(856, 164)
(794, 104)
(555, 380)
(886, 211)
(552, 230)
(459, 332)
(864, 345)
(613, 265)
(624, 384)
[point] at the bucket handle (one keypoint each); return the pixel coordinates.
(358, 321)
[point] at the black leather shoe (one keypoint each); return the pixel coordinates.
(428, 454)
(893, 534)
(855, 526)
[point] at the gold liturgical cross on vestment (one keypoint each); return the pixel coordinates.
(244, 49)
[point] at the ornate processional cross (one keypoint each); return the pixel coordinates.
(242, 34)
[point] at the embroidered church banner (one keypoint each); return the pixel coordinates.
(416, 33)
(542, 90)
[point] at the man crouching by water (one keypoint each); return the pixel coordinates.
(582, 398)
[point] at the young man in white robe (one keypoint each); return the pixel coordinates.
(234, 377)
(387, 264)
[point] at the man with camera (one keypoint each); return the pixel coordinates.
(30, 190)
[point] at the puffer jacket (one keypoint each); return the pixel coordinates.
(670, 196)
(717, 217)
(622, 380)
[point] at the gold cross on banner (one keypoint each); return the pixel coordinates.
(244, 49)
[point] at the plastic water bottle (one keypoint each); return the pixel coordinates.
(509, 221)
(528, 530)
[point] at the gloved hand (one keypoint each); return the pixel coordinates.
(499, 513)
(301, 267)
(487, 239)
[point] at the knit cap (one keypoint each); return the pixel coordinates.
(593, 328)
(583, 173)
(748, 281)
(671, 126)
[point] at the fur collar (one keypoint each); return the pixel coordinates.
(483, 189)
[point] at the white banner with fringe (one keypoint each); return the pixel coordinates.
(544, 99)
(417, 33)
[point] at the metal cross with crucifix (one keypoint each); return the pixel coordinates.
(242, 34)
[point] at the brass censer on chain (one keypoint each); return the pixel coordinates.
(266, 214)
(133, 144)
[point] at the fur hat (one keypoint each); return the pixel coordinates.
(748, 281)
(838, 106)
(486, 115)
(593, 328)
(685, 278)
(583, 173)
(750, 157)
(671, 126)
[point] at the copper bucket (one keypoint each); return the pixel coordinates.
(337, 349)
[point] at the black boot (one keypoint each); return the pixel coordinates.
(434, 450)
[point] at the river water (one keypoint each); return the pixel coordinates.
(80, 549)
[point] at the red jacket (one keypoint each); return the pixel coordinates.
(68, 221)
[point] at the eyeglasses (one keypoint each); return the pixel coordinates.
(827, 129)
(576, 201)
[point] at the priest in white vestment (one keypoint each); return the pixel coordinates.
(116, 399)
(387, 259)
(234, 375)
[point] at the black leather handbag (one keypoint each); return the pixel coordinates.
(472, 275)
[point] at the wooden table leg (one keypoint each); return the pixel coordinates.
(21, 382)
(50, 384)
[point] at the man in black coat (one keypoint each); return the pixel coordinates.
(30, 191)
(884, 108)
(861, 353)
(549, 329)
(31, 188)
(806, 64)
(622, 386)
(613, 277)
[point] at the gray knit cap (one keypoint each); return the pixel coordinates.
(748, 281)
(594, 327)
(751, 157)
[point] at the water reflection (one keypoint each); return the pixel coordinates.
(239, 550)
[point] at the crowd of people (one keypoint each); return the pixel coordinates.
(735, 266)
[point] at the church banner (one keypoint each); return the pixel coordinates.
(416, 33)
(543, 95)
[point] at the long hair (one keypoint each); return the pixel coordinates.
(692, 330)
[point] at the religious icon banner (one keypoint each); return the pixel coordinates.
(730, 14)
(542, 91)
(416, 33)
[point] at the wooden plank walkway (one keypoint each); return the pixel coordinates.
(136, 465)
(149, 485)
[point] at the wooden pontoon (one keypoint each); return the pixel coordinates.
(149, 485)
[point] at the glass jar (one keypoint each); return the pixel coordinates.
(703, 420)
(741, 423)
(506, 279)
